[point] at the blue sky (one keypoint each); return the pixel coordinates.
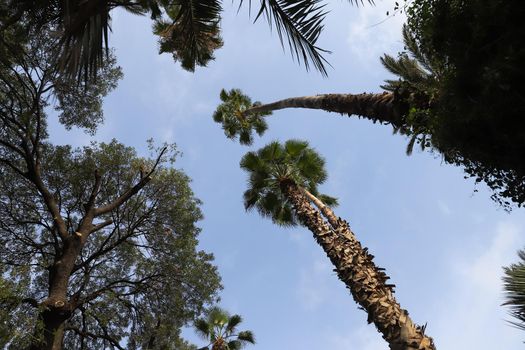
(442, 243)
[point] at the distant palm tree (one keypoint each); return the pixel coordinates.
(282, 185)
(220, 329)
(514, 286)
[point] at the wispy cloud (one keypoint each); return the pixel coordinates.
(472, 314)
(362, 338)
(374, 33)
(312, 290)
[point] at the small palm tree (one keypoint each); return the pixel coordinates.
(220, 329)
(514, 286)
(283, 185)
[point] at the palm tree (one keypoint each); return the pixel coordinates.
(514, 286)
(220, 330)
(417, 83)
(283, 185)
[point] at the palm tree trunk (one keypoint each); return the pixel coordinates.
(363, 278)
(382, 107)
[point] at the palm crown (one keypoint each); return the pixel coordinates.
(274, 165)
(230, 114)
(220, 329)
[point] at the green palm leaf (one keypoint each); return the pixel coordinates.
(192, 34)
(514, 286)
(273, 165)
(86, 26)
(300, 21)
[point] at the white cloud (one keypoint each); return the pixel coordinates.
(374, 33)
(313, 284)
(362, 338)
(444, 208)
(472, 316)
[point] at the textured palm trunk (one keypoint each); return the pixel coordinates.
(382, 107)
(355, 267)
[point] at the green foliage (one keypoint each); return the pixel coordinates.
(220, 330)
(301, 22)
(477, 121)
(139, 276)
(275, 164)
(188, 29)
(143, 272)
(192, 34)
(514, 286)
(234, 123)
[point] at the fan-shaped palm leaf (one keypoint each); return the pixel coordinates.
(230, 115)
(272, 166)
(219, 328)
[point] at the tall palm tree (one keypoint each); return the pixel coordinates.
(514, 286)
(283, 181)
(415, 87)
(220, 330)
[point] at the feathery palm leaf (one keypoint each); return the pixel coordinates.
(275, 164)
(514, 286)
(301, 22)
(411, 67)
(234, 123)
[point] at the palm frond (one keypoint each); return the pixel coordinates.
(272, 166)
(412, 67)
(86, 27)
(514, 286)
(234, 124)
(246, 336)
(300, 22)
(233, 322)
(202, 328)
(193, 33)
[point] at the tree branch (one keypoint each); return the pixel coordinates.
(130, 192)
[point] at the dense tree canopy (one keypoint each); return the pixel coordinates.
(98, 246)
(477, 116)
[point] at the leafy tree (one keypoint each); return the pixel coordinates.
(220, 330)
(471, 128)
(514, 286)
(282, 186)
(188, 29)
(98, 246)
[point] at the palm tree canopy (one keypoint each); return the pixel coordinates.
(219, 328)
(230, 115)
(275, 164)
(514, 287)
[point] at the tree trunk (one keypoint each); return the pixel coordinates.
(382, 107)
(362, 277)
(57, 309)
